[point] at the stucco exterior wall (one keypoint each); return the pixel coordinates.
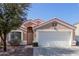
(77, 32)
(59, 26)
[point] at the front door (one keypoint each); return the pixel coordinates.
(29, 35)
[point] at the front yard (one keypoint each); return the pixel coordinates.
(17, 51)
(37, 51)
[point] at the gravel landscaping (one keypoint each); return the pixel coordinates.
(17, 51)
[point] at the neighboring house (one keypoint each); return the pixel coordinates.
(53, 33)
(77, 32)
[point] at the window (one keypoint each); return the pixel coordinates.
(16, 37)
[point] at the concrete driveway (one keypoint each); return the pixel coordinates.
(74, 51)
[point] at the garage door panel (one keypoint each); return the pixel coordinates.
(56, 36)
(53, 38)
(54, 44)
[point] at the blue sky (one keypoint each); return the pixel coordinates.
(46, 11)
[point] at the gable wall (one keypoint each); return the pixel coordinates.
(58, 27)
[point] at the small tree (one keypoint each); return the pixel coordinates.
(11, 17)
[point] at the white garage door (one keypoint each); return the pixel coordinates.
(54, 38)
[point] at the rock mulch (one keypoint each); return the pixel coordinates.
(17, 51)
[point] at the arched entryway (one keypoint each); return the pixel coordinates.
(29, 35)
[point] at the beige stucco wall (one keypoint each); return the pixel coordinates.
(58, 27)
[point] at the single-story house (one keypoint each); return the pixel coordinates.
(53, 33)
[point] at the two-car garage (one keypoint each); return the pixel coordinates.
(55, 33)
(50, 38)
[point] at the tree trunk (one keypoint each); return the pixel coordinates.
(5, 46)
(5, 49)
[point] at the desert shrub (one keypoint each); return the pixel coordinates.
(15, 42)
